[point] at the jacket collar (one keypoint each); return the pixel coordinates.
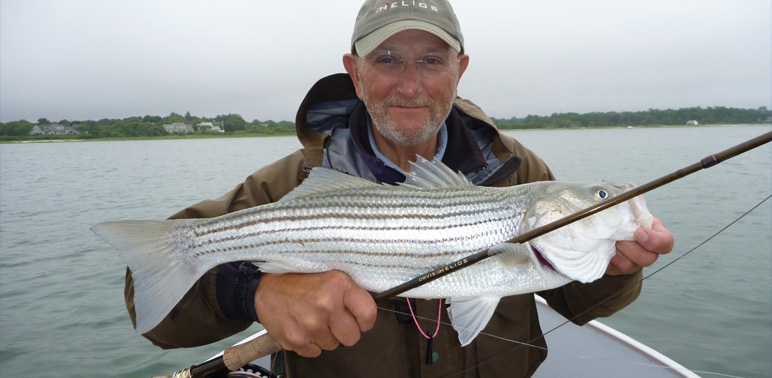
(462, 153)
(475, 146)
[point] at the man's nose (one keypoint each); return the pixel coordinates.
(411, 79)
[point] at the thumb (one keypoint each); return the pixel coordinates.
(658, 239)
(362, 306)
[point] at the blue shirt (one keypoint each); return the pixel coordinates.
(442, 144)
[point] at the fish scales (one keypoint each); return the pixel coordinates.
(349, 230)
(383, 236)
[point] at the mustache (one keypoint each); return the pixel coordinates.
(407, 102)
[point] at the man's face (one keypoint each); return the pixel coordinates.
(408, 103)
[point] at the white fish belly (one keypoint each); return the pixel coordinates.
(379, 236)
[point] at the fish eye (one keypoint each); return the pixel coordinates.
(600, 193)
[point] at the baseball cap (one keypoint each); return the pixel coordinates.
(379, 20)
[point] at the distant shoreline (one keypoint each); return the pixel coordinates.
(231, 136)
(124, 139)
(635, 127)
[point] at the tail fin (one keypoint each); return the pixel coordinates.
(161, 269)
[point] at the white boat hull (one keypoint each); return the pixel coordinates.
(597, 350)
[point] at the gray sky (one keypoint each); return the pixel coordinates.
(81, 59)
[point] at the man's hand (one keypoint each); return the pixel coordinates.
(309, 313)
(634, 255)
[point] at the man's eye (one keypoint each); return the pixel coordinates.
(432, 61)
(386, 60)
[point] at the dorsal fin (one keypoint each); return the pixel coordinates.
(424, 174)
(433, 174)
(322, 180)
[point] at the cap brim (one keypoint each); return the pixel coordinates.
(368, 43)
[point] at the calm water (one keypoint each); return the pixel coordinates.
(61, 287)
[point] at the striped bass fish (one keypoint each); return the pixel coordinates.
(383, 235)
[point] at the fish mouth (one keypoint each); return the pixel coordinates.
(542, 260)
(545, 263)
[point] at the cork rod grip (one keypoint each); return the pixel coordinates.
(240, 355)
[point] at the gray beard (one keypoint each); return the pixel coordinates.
(391, 131)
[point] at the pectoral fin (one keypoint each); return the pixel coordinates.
(510, 254)
(469, 315)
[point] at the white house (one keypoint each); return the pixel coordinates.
(692, 122)
(209, 126)
(178, 127)
(53, 129)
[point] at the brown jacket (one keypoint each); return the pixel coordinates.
(394, 347)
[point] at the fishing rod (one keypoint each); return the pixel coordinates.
(530, 342)
(237, 356)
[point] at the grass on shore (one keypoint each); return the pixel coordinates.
(78, 138)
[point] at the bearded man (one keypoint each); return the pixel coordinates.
(397, 101)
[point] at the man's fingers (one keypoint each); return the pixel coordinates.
(325, 340)
(362, 306)
(659, 239)
(644, 251)
(620, 265)
(309, 313)
(308, 349)
(345, 329)
(317, 331)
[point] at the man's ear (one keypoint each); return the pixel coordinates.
(463, 63)
(350, 64)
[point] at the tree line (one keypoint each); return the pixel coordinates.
(147, 126)
(709, 116)
(234, 124)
